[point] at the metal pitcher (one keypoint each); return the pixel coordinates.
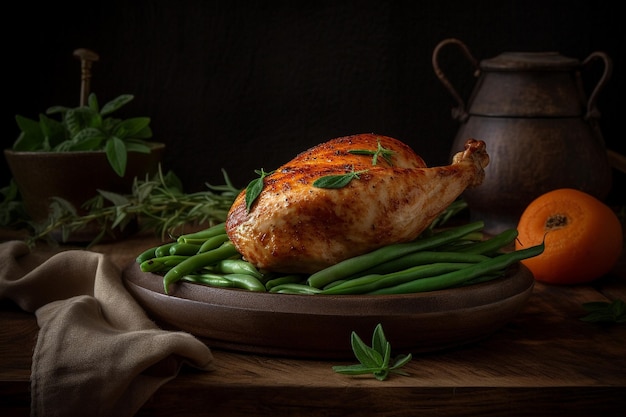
(541, 131)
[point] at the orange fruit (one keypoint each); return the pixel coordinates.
(583, 237)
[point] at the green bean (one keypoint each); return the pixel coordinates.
(186, 249)
(203, 235)
(145, 255)
(163, 250)
(463, 241)
(246, 282)
(212, 280)
(483, 278)
(423, 258)
(213, 242)
(369, 283)
(360, 263)
(295, 288)
(450, 279)
(196, 262)
(237, 266)
(162, 263)
(491, 245)
(338, 282)
(286, 279)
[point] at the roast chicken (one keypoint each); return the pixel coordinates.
(388, 196)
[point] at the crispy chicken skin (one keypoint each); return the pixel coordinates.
(294, 227)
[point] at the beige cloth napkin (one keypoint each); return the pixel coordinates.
(97, 353)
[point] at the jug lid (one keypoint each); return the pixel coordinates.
(530, 61)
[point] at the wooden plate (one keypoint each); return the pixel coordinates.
(314, 326)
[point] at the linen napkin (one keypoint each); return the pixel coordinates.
(97, 353)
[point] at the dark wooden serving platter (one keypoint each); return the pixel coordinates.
(315, 326)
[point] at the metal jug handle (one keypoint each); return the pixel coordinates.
(592, 109)
(459, 113)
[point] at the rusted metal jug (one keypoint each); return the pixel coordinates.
(541, 131)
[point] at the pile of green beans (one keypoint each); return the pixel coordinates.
(441, 259)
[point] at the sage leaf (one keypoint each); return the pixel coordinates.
(605, 312)
(356, 369)
(379, 341)
(387, 154)
(365, 354)
(400, 361)
(255, 187)
(382, 374)
(373, 360)
(337, 181)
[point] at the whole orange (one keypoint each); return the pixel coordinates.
(583, 237)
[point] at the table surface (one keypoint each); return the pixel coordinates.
(546, 362)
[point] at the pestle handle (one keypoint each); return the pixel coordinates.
(86, 57)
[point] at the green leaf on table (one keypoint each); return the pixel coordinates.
(605, 312)
(375, 359)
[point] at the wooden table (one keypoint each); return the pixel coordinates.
(546, 362)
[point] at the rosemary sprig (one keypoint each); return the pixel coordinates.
(157, 203)
(375, 359)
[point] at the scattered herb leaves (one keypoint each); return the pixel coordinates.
(254, 188)
(159, 204)
(605, 312)
(375, 359)
(337, 181)
(387, 154)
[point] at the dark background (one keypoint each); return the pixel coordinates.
(248, 85)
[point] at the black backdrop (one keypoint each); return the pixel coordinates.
(247, 85)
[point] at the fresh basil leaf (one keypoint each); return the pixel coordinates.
(87, 139)
(116, 103)
(131, 127)
(116, 155)
(81, 118)
(92, 103)
(141, 147)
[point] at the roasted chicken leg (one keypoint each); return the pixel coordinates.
(386, 195)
